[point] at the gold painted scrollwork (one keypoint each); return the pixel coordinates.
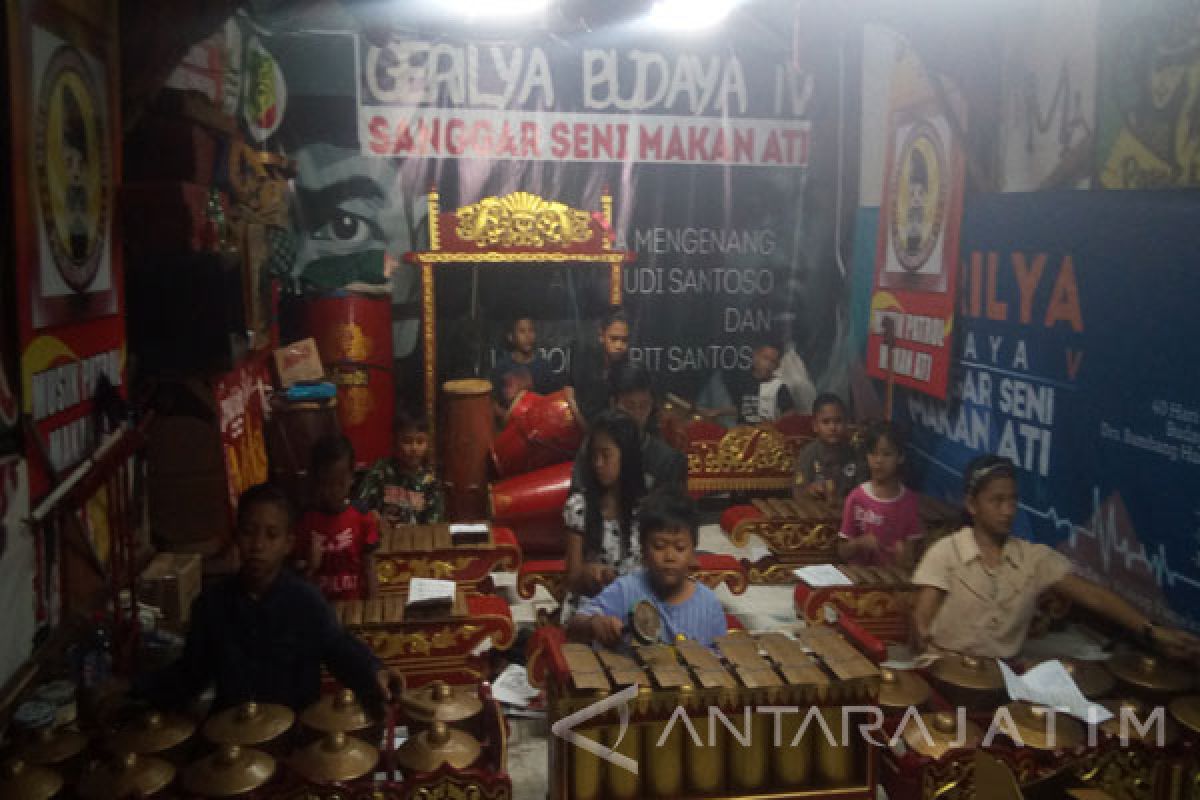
(522, 219)
(744, 450)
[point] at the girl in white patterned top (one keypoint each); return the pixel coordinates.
(602, 537)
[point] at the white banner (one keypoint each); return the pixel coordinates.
(403, 132)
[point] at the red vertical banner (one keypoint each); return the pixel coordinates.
(912, 306)
(241, 402)
(64, 77)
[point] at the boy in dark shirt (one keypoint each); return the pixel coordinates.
(591, 367)
(521, 367)
(757, 394)
(264, 633)
(403, 488)
(829, 466)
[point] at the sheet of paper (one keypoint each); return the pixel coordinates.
(512, 687)
(430, 590)
(1049, 684)
(468, 527)
(822, 575)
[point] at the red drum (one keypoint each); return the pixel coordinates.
(538, 431)
(354, 337)
(531, 504)
(468, 409)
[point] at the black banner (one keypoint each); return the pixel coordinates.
(722, 153)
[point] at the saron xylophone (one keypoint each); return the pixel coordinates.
(425, 648)
(879, 599)
(677, 732)
(804, 531)
(431, 551)
(796, 532)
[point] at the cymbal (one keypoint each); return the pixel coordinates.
(249, 723)
(899, 689)
(968, 672)
(338, 712)
(53, 746)
(230, 771)
(335, 757)
(438, 745)
(1091, 677)
(22, 781)
(1043, 728)
(153, 732)
(939, 733)
(440, 701)
(1151, 672)
(128, 775)
(1186, 711)
(1136, 713)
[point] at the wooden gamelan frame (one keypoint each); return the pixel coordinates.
(520, 227)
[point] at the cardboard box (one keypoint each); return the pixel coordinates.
(171, 582)
(299, 362)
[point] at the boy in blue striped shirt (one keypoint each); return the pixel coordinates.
(667, 527)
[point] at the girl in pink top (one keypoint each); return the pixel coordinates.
(880, 515)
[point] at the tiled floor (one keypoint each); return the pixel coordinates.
(760, 608)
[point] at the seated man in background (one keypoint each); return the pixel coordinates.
(757, 394)
(631, 391)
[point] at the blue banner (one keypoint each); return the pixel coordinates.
(1076, 356)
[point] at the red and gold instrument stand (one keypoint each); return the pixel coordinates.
(796, 533)
(908, 775)
(880, 601)
(711, 569)
(804, 531)
(451, 647)
(427, 551)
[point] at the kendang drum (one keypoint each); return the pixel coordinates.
(354, 337)
(531, 504)
(291, 433)
(469, 433)
(539, 431)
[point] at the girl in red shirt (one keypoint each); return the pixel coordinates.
(338, 539)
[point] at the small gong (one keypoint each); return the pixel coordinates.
(646, 622)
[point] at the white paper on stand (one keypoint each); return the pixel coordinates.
(468, 527)
(430, 590)
(1049, 684)
(822, 575)
(512, 688)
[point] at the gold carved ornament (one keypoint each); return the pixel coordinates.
(421, 643)
(953, 780)
(744, 450)
(450, 788)
(391, 570)
(1125, 774)
(522, 219)
(772, 575)
(872, 604)
(735, 579)
(553, 582)
(347, 342)
(790, 538)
